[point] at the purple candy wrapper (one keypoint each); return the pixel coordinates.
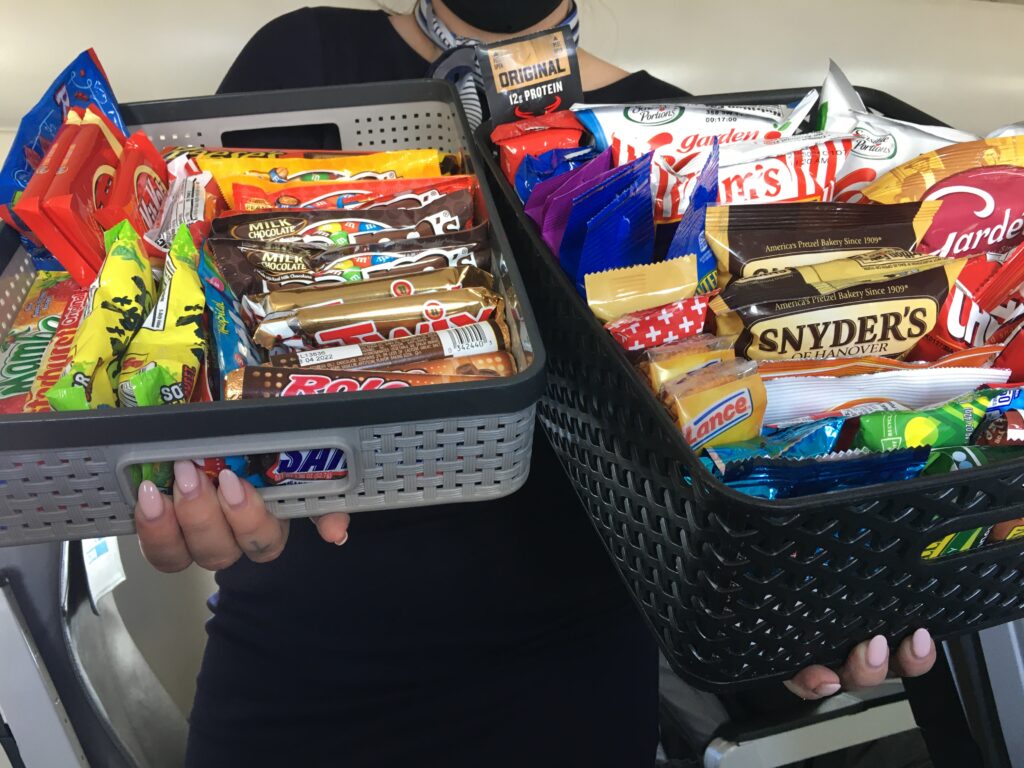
(542, 193)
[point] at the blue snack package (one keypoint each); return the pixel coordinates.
(803, 441)
(621, 235)
(1006, 400)
(689, 236)
(782, 478)
(537, 206)
(83, 82)
(535, 169)
(589, 203)
(231, 348)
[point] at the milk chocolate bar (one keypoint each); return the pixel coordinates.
(263, 383)
(377, 320)
(447, 279)
(485, 338)
(488, 365)
(326, 229)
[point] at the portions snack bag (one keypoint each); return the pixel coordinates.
(750, 240)
(447, 279)
(859, 308)
(723, 403)
(119, 301)
(880, 143)
(252, 195)
(282, 168)
(163, 359)
(981, 184)
(793, 169)
(23, 349)
(365, 321)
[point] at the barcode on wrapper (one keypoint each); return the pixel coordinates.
(473, 339)
(314, 357)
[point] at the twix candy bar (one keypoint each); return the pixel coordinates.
(261, 382)
(448, 279)
(307, 328)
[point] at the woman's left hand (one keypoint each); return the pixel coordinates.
(867, 665)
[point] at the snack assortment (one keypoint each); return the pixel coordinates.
(189, 275)
(819, 301)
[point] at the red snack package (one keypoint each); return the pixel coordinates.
(29, 207)
(140, 187)
(981, 184)
(661, 325)
(535, 136)
(359, 194)
(985, 306)
(792, 169)
(82, 186)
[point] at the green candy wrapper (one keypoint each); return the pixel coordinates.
(119, 300)
(943, 460)
(947, 426)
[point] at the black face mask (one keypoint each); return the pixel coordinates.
(502, 16)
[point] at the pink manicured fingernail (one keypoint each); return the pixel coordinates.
(827, 689)
(878, 651)
(150, 501)
(231, 488)
(342, 540)
(921, 644)
(186, 477)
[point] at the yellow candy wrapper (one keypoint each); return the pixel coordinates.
(723, 403)
(231, 168)
(119, 300)
(669, 362)
(164, 358)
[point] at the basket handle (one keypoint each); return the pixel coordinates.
(344, 440)
(965, 531)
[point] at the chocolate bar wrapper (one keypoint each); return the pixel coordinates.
(252, 268)
(326, 229)
(488, 365)
(378, 320)
(447, 279)
(489, 337)
(389, 193)
(264, 383)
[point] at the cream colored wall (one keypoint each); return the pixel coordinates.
(961, 60)
(958, 59)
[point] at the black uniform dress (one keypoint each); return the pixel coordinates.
(487, 634)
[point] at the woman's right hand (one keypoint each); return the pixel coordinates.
(214, 527)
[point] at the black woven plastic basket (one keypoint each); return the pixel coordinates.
(740, 590)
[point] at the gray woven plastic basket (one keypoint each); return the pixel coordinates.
(67, 476)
